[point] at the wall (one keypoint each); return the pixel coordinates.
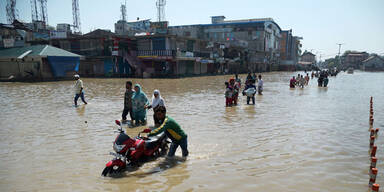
(91, 67)
(19, 69)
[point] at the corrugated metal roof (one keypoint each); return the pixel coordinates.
(54, 51)
(36, 50)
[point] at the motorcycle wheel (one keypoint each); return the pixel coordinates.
(164, 148)
(112, 172)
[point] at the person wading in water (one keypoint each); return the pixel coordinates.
(157, 101)
(79, 87)
(172, 130)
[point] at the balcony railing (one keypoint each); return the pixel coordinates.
(156, 53)
(172, 53)
(202, 54)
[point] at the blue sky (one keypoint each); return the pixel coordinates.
(359, 24)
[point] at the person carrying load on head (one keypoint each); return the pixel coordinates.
(250, 91)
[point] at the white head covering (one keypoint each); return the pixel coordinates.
(157, 100)
(78, 76)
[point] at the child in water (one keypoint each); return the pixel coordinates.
(292, 82)
(228, 95)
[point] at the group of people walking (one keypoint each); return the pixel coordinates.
(232, 89)
(323, 79)
(136, 105)
(300, 81)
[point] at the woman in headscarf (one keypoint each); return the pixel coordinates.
(157, 101)
(139, 102)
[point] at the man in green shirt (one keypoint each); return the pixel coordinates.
(172, 130)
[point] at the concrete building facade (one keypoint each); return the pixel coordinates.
(354, 59)
(308, 57)
(290, 50)
(257, 38)
(131, 28)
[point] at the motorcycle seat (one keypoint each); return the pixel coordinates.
(153, 140)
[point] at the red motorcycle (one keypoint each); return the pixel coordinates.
(134, 151)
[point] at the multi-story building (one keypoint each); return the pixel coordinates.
(255, 40)
(96, 49)
(308, 57)
(354, 59)
(290, 50)
(64, 27)
(131, 28)
(14, 35)
(169, 55)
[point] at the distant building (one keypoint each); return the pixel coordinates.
(131, 28)
(169, 55)
(106, 33)
(373, 63)
(290, 50)
(64, 27)
(354, 59)
(97, 49)
(255, 40)
(14, 35)
(308, 58)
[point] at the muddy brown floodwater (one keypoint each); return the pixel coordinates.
(311, 139)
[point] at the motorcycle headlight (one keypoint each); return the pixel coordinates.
(118, 148)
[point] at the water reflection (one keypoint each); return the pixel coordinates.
(80, 110)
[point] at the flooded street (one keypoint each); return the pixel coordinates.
(311, 139)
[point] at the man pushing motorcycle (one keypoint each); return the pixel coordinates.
(172, 130)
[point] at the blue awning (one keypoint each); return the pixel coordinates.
(60, 65)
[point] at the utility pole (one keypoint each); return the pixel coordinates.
(11, 11)
(123, 10)
(160, 4)
(340, 44)
(76, 17)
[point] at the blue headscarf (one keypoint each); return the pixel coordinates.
(138, 93)
(139, 99)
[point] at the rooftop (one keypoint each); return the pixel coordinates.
(234, 22)
(372, 57)
(35, 50)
